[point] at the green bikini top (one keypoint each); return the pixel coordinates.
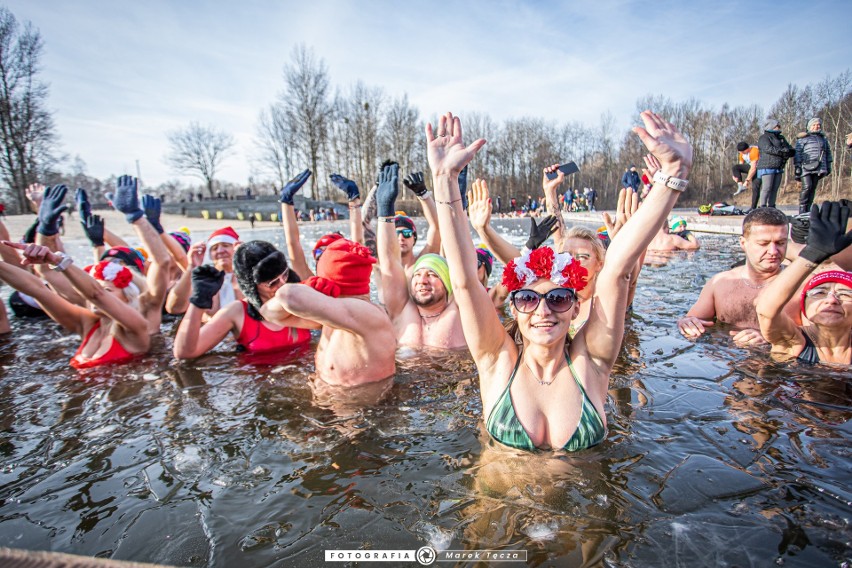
(504, 426)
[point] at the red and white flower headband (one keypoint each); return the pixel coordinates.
(544, 263)
(113, 272)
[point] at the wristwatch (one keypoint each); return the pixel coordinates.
(671, 182)
(64, 263)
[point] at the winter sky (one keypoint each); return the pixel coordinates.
(122, 74)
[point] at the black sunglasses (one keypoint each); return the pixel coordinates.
(558, 300)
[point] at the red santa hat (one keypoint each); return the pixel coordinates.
(223, 235)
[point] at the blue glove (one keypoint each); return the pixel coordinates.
(84, 208)
(346, 185)
(151, 205)
(388, 190)
(294, 185)
(126, 198)
(93, 226)
(51, 209)
(463, 187)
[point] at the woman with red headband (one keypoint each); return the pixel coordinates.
(539, 387)
(826, 300)
(113, 329)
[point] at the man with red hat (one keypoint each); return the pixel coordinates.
(357, 344)
(420, 306)
(220, 247)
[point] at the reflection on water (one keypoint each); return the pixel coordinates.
(715, 455)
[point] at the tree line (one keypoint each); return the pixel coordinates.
(352, 130)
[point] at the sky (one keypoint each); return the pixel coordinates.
(122, 74)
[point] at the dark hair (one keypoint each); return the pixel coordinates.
(255, 262)
(764, 216)
(742, 146)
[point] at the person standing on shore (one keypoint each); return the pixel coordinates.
(813, 162)
(774, 153)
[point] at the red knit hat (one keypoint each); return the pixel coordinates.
(838, 276)
(223, 235)
(323, 242)
(347, 265)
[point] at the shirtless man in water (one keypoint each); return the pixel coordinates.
(358, 343)
(421, 308)
(729, 296)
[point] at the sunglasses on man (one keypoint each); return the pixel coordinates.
(407, 233)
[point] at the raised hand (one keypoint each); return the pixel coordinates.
(206, 282)
(33, 253)
(665, 141)
(152, 208)
(126, 198)
(628, 203)
(539, 233)
(347, 186)
(827, 234)
(51, 209)
(93, 226)
(388, 190)
(35, 192)
(653, 165)
(84, 208)
(548, 184)
(479, 209)
(446, 151)
(196, 253)
(292, 186)
(415, 183)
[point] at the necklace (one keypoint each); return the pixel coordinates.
(748, 283)
(427, 318)
(540, 381)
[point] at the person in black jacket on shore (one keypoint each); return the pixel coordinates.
(813, 162)
(774, 153)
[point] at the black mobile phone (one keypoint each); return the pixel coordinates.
(567, 168)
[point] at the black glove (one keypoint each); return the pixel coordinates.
(29, 236)
(206, 282)
(51, 209)
(415, 183)
(83, 205)
(797, 172)
(93, 226)
(151, 206)
(539, 233)
(827, 236)
(463, 187)
(799, 226)
(388, 190)
(349, 187)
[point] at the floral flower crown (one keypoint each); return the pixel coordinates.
(544, 263)
(113, 272)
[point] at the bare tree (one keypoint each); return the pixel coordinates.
(27, 135)
(199, 151)
(275, 135)
(305, 100)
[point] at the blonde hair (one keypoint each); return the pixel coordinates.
(577, 232)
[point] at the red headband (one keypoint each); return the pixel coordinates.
(838, 276)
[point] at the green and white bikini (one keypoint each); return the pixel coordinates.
(504, 426)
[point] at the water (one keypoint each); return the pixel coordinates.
(715, 455)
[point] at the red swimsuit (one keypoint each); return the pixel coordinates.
(257, 338)
(116, 353)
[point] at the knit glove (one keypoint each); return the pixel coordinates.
(388, 190)
(206, 283)
(415, 183)
(84, 208)
(152, 208)
(826, 235)
(294, 185)
(323, 286)
(463, 187)
(51, 209)
(539, 233)
(799, 227)
(349, 187)
(29, 235)
(93, 226)
(126, 199)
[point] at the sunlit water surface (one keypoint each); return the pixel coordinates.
(715, 455)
